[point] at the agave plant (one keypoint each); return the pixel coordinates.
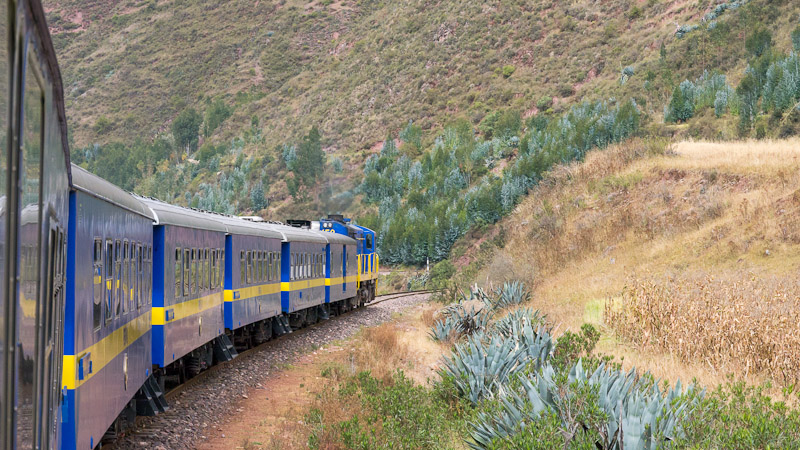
(443, 330)
(504, 326)
(512, 293)
(459, 320)
(481, 367)
(638, 414)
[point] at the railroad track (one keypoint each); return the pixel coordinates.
(387, 297)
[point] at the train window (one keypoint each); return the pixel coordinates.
(242, 267)
(207, 268)
(213, 268)
(148, 276)
(132, 277)
(193, 272)
(277, 266)
(126, 267)
(369, 242)
(263, 266)
(139, 276)
(198, 270)
(308, 265)
(178, 272)
(109, 279)
(256, 266)
(249, 267)
(97, 278)
(187, 264)
(204, 268)
(291, 266)
(144, 275)
(271, 268)
(117, 278)
(221, 267)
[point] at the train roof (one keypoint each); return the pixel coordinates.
(292, 234)
(166, 214)
(84, 181)
(236, 225)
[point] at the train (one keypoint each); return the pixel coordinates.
(109, 298)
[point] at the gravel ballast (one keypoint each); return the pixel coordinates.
(202, 406)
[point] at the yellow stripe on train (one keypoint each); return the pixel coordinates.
(101, 353)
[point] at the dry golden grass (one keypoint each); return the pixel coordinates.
(644, 208)
(735, 322)
(753, 157)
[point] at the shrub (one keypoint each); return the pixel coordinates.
(544, 102)
(796, 39)
(758, 42)
(103, 125)
(216, 113)
(508, 70)
(736, 415)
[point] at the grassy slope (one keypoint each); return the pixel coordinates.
(729, 209)
(362, 69)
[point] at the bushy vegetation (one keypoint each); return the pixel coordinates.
(392, 414)
(424, 206)
(771, 85)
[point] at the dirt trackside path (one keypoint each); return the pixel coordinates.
(270, 415)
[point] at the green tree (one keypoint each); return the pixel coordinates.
(680, 108)
(216, 113)
(796, 39)
(257, 197)
(310, 158)
(185, 129)
(748, 93)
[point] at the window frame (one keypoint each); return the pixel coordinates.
(178, 268)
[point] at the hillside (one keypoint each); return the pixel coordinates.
(270, 71)
(644, 240)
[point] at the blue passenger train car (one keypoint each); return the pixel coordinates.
(341, 273)
(188, 273)
(107, 340)
(303, 253)
(252, 281)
